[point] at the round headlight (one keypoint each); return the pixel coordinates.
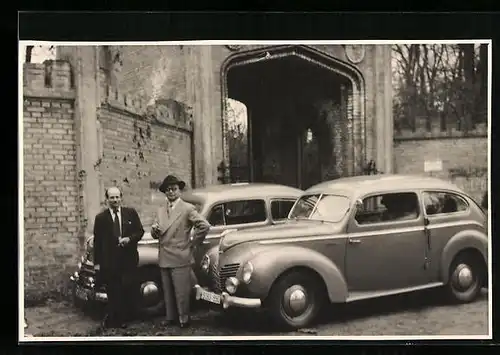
(205, 263)
(246, 273)
(89, 243)
(232, 284)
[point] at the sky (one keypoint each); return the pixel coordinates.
(42, 53)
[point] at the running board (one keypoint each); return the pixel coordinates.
(358, 296)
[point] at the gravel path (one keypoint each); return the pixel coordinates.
(417, 314)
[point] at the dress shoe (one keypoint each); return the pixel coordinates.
(166, 323)
(110, 322)
(185, 325)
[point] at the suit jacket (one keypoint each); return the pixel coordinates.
(176, 244)
(112, 258)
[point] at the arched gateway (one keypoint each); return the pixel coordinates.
(291, 90)
(314, 112)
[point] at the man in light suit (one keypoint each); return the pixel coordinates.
(172, 227)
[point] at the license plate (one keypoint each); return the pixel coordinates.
(82, 293)
(210, 297)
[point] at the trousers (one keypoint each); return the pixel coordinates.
(123, 292)
(177, 288)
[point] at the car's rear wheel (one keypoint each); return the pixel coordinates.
(466, 277)
(296, 299)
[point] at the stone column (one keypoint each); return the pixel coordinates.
(389, 119)
(200, 85)
(383, 108)
(84, 61)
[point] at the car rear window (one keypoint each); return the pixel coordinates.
(438, 202)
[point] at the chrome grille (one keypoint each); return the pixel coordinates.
(214, 272)
(89, 255)
(84, 279)
(228, 270)
(86, 268)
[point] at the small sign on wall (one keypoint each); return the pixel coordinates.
(433, 165)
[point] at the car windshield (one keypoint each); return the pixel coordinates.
(322, 207)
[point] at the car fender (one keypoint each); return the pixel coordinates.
(273, 262)
(148, 254)
(462, 240)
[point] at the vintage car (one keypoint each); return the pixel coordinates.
(226, 207)
(352, 239)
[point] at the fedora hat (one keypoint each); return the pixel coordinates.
(171, 180)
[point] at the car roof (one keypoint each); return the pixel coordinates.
(360, 185)
(240, 190)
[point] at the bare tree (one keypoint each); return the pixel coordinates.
(439, 82)
(237, 138)
(29, 52)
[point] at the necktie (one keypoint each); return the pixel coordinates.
(116, 226)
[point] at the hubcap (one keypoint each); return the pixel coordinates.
(150, 293)
(295, 300)
(463, 277)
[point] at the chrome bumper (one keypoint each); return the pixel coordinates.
(232, 301)
(96, 296)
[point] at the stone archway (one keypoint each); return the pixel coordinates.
(336, 104)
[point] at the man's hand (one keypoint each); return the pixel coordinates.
(123, 241)
(97, 267)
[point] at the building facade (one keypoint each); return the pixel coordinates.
(341, 95)
(129, 115)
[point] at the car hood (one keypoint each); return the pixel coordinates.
(289, 229)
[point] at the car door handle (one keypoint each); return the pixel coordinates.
(206, 242)
(354, 241)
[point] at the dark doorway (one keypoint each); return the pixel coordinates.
(297, 118)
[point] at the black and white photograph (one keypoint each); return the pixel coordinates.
(236, 190)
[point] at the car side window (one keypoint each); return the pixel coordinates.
(388, 208)
(281, 208)
(238, 212)
(443, 202)
(216, 217)
(245, 211)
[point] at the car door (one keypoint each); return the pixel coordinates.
(385, 248)
(446, 213)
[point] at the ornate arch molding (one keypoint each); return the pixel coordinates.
(356, 121)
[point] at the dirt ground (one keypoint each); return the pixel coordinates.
(417, 314)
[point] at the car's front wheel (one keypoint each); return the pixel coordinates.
(151, 302)
(465, 279)
(296, 299)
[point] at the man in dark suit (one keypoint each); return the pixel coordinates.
(173, 224)
(117, 230)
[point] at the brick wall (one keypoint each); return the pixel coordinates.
(464, 156)
(170, 71)
(139, 145)
(137, 150)
(51, 213)
(152, 71)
